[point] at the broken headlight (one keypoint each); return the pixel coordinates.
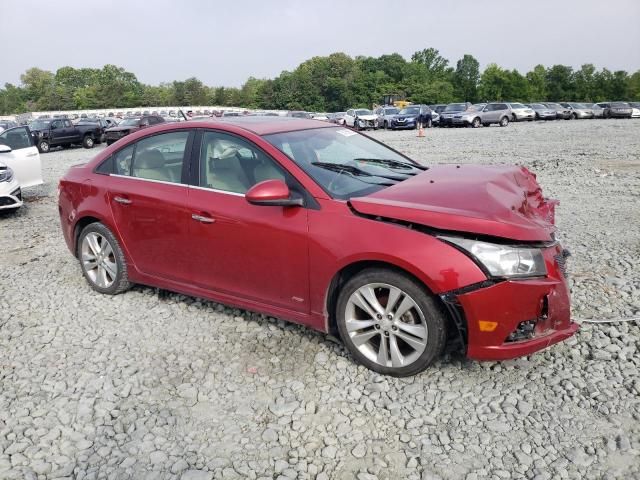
(6, 174)
(503, 260)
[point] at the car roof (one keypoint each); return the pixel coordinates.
(266, 125)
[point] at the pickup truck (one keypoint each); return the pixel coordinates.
(55, 132)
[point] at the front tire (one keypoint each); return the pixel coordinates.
(102, 260)
(504, 121)
(476, 122)
(389, 323)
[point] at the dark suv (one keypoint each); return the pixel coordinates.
(412, 116)
(130, 125)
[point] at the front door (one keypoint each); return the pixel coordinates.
(149, 202)
(259, 253)
(24, 158)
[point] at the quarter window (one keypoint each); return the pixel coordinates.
(160, 157)
(230, 164)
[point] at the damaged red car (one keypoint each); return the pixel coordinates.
(324, 226)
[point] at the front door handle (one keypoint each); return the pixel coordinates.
(122, 200)
(202, 218)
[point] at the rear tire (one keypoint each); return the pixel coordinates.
(43, 146)
(381, 337)
(88, 142)
(102, 260)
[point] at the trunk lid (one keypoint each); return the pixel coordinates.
(501, 201)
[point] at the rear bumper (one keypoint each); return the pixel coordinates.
(496, 316)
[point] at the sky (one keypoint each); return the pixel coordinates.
(224, 42)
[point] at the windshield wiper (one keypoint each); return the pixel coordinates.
(355, 172)
(391, 163)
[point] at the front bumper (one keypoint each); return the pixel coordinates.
(524, 115)
(10, 195)
(514, 318)
(401, 125)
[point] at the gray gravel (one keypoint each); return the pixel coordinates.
(149, 386)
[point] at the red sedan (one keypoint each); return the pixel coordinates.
(324, 226)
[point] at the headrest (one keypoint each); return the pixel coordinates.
(152, 158)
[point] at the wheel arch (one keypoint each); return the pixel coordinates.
(79, 226)
(348, 271)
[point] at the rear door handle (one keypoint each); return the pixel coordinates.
(202, 218)
(122, 200)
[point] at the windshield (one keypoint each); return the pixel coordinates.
(390, 111)
(517, 105)
(456, 107)
(363, 111)
(39, 124)
(344, 163)
(577, 105)
(554, 105)
(538, 106)
(410, 111)
(130, 122)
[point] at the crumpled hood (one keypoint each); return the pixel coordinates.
(501, 201)
(367, 117)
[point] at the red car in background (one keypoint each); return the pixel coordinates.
(324, 226)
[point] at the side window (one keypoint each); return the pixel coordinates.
(122, 161)
(57, 124)
(231, 164)
(160, 157)
(16, 138)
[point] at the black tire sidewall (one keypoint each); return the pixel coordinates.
(434, 317)
(86, 140)
(43, 150)
(121, 282)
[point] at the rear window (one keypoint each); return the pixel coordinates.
(455, 107)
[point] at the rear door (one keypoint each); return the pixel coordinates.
(24, 158)
(149, 202)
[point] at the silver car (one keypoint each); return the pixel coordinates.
(542, 112)
(598, 111)
(496, 112)
(521, 112)
(385, 115)
(578, 110)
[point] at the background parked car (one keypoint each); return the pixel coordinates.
(520, 112)
(360, 119)
(412, 116)
(578, 110)
(491, 113)
(20, 165)
(385, 115)
(636, 109)
(542, 112)
(7, 124)
(617, 109)
(130, 125)
(298, 114)
(320, 116)
(337, 118)
(598, 111)
(447, 114)
(561, 112)
(61, 132)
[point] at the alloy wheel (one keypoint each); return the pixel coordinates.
(98, 260)
(386, 325)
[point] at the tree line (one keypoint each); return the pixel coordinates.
(331, 83)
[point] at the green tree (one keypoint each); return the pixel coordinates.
(537, 81)
(584, 81)
(494, 83)
(559, 83)
(466, 78)
(436, 65)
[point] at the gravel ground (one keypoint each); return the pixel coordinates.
(161, 386)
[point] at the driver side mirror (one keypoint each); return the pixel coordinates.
(272, 193)
(5, 148)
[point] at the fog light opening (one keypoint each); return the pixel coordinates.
(524, 331)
